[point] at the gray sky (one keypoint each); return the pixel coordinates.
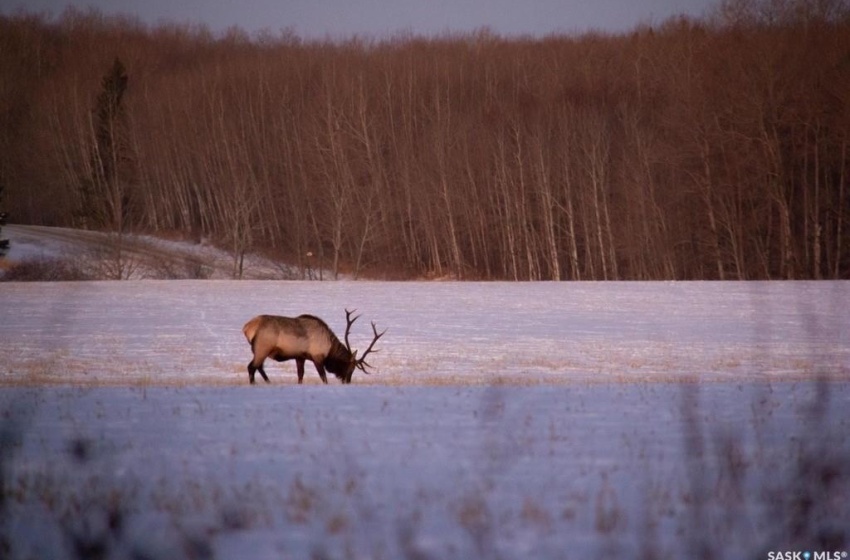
(380, 18)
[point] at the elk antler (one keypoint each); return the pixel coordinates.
(349, 321)
(362, 363)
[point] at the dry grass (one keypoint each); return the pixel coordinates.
(711, 506)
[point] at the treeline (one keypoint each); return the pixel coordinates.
(712, 149)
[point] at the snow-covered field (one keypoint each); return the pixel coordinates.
(639, 470)
(152, 332)
(547, 420)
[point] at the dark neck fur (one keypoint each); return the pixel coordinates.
(338, 358)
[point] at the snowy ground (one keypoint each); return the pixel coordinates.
(652, 470)
(568, 420)
(180, 332)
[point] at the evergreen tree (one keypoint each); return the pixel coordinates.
(104, 196)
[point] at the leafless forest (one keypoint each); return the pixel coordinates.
(692, 149)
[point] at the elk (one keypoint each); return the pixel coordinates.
(302, 338)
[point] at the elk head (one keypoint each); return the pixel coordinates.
(355, 362)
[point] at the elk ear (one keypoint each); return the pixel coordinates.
(354, 356)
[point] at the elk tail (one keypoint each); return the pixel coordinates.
(250, 330)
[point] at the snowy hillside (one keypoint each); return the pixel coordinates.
(96, 255)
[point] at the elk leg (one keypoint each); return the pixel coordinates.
(299, 364)
(321, 369)
(251, 370)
